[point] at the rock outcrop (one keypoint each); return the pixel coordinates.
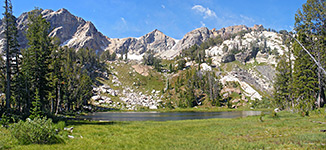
(71, 30)
(77, 33)
(202, 34)
(155, 41)
(196, 36)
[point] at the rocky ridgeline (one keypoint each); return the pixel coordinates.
(75, 32)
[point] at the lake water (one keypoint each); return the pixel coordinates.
(165, 116)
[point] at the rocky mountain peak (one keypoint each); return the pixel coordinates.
(258, 27)
(155, 40)
(46, 11)
(72, 31)
(193, 37)
(63, 10)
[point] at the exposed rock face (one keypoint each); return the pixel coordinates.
(88, 36)
(228, 58)
(155, 40)
(236, 29)
(196, 36)
(72, 31)
(201, 35)
(64, 23)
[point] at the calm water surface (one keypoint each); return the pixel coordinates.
(165, 116)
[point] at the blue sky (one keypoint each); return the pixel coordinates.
(134, 18)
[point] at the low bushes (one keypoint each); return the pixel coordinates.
(36, 131)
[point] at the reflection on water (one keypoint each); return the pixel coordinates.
(165, 116)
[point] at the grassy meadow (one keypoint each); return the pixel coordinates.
(287, 131)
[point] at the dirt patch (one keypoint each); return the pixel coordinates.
(142, 69)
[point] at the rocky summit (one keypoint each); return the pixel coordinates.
(75, 32)
(71, 30)
(155, 41)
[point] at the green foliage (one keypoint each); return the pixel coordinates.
(209, 61)
(282, 84)
(36, 110)
(302, 88)
(60, 125)
(50, 77)
(181, 64)
(232, 84)
(36, 58)
(264, 103)
(4, 120)
(290, 131)
(274, 115)
(77, 74)
(106, 56)
(11, 52)
(171, 68)
(36, 131)
(151, 60)
(193, 87)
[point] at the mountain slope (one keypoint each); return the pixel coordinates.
(155, 41)
(72, 31)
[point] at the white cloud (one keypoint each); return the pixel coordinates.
(202, 24)
(123, 20)
(246, 19)
(204, 11)
(163, 6)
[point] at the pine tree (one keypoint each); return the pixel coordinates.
(11, 50)
(282, 82)
(55, 76)
(304, 79)
(36, 57)
(7, 35)
(36, 110)
(311, 30)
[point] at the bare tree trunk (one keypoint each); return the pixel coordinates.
(58, 101)
(319, 83)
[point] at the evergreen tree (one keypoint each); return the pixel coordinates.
(311, 31)
(36, 110)
(113, 56)
(11, 52)
(304, 79)
(105, 56)
(36, 57)
(55, 76)
(282, 83)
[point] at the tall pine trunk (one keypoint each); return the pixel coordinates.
(8, 93)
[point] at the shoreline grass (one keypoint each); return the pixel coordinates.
(287, 131)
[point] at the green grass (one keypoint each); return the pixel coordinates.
(128, 77)
(288, 131)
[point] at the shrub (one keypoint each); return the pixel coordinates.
(60, 125)
(264, 103)
(36, 131)
(4, 120)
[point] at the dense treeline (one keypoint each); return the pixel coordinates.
(45, 78)
(193, 88)
(300, 83)
(151, 60)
